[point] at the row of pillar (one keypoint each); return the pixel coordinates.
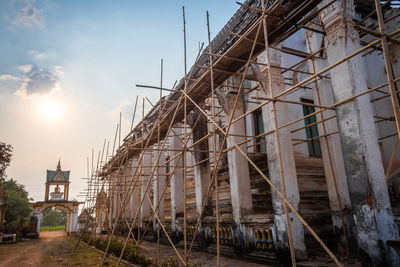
(357, 189)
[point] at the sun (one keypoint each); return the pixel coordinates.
(50, 110)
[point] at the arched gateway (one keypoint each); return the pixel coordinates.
(58, 199)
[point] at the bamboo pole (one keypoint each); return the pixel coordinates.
(184, 148)
(392, 156)
(120, 128)
(134, 112)
(277, 138)
(115, 138)
(158, 168)
(214, 139)
(388, 66)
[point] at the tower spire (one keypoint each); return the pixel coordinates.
(58, 165)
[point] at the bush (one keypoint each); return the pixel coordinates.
(115, 248)
(18, 209)
(131, 252)
(17, 227)
(170, 262)
(174, 262)
(99, 243)
(85, 237)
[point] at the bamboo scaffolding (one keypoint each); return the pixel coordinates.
(329, 252)
(124, 204)
(147, 186)
(214, 175)
(169, 175)
(143, 197)
(189, 100)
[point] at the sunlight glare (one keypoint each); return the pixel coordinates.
(50, 110)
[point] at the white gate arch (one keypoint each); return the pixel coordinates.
(71, 208)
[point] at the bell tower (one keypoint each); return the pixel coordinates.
(57, 178)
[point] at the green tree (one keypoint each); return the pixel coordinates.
(5, 159)
(18, 208)
(54, 218)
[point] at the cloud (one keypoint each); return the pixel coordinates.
(29, 16)
(8, 77)
(9, 83)
(37, 82)
(58, 71)
(33, 81)
(26, 68)
(38, 55)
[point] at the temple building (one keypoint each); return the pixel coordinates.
(280, 143)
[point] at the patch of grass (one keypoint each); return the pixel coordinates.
(52, 228)
(62, 253)
(131, 252)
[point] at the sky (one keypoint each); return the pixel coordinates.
(68, 68)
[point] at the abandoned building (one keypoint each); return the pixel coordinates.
(280, 143)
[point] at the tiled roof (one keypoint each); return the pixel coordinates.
(57, 175)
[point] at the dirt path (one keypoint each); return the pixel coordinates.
(28, 253)
(202, 259)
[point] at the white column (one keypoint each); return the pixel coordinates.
(339, 197)
(158, 186)
(363, 163)
(38, 214)
(74, 222)
(146, 170)
(135, 188)
(287, 157)
(202, 173)
(125, 177)
(239, 176)
(115, 197)
(69, 222)
(177, 200)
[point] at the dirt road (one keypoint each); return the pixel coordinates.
(54, 248)
(28, 253)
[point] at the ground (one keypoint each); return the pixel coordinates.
(202, 259)
(54, 248)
